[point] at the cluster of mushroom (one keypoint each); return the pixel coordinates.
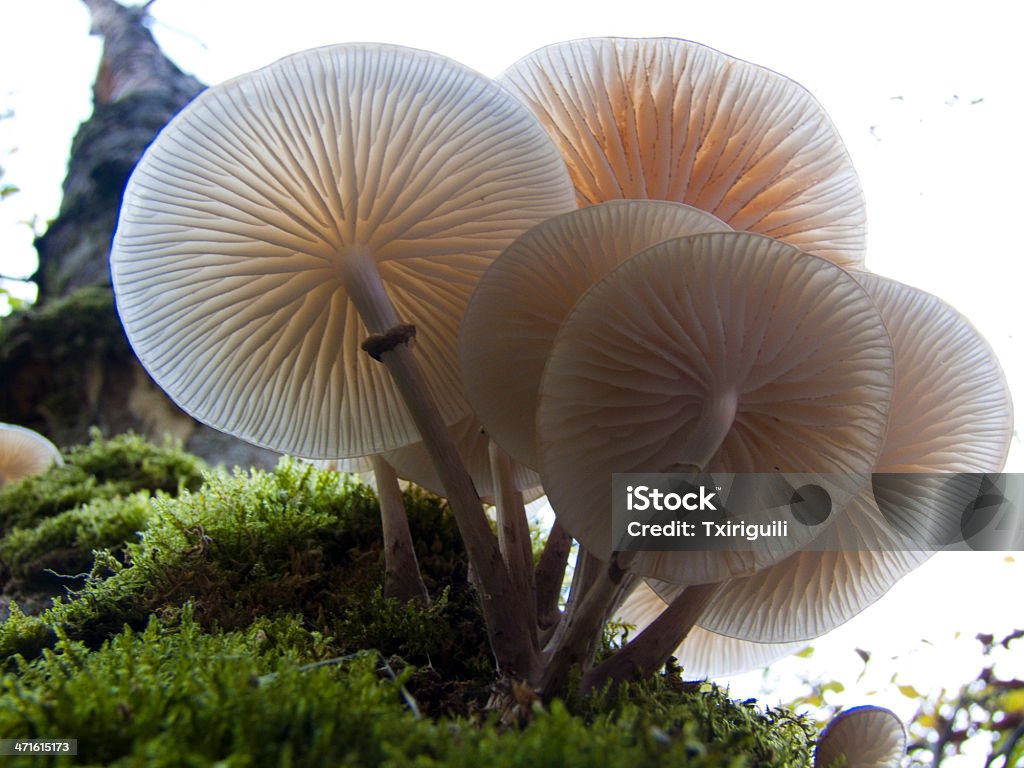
(621, 256)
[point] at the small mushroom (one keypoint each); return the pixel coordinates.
(668, 119)
(526, 293)
(862, 737)
(24, 453)
(727, 352)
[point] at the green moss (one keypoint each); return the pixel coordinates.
(268, 696)
(63, 545)
(246, 627)
(296, 540)
(103, 469)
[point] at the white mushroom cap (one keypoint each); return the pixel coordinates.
(951, 412)
(703, 654)
(24, 453)
(526, 293)
(730, 352)
(249, 227)
(866, 737)
(670, 119)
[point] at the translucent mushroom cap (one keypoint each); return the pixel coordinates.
(729, 352)
(24, 453)
(526, 293)
(669, 119)
(951, 412)
(866, 737)
(250, 225)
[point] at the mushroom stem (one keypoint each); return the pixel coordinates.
(402, 579)
(648, 651)
(549, 575)
(513, 529)
(716, 419)
(513, 639)
(577, 644)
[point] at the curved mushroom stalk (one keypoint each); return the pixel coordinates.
(862, 737)
(342, 192)
(647, 652)
(24, 453)
(402, 577)
(702, 654)
(549, 576)
(513, 530)
(575, 641)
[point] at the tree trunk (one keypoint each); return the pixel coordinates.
(66, 363)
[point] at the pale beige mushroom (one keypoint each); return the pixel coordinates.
(24, 453)
(862, 737)
(670, 119)
(951, 412)
(286, 214)
(727, 352)
(339, 202)
(526, 293)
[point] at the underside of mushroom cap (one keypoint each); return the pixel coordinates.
(951, 412)
(526, 293)
(862, 737)
(728, 352)
(24, 453)
(249, 221)
(671, 119)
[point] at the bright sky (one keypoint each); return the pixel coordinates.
(926, 96)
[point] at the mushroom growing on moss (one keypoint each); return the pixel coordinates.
(339, 202)
(24, 453)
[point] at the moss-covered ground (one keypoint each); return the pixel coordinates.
(237, 620)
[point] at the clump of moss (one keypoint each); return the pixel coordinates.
(296, 540)
(60, 549)
(174, 694)
(103, 469)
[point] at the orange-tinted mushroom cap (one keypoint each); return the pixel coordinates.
(250, 227)
(729, 352)
(524, 296)
(669, 119)
(24, 453)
